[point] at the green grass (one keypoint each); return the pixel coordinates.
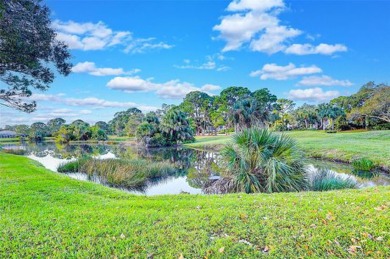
(342, 146)
(8, 140)
(45, 214)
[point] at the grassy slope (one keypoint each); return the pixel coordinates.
(46, 214)
(343, 146)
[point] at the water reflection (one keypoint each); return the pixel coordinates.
(194, 167)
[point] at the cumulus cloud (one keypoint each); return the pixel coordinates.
(98, 36)
(273, 71)
(312, 94)
(173, 89)
(323, 81)
(309, 49)
(256, 24)
(90, 68)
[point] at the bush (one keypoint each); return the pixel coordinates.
(326, 180)
(363, 167)
(363, 164)
(261, 161)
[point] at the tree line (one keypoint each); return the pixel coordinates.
(234, 109)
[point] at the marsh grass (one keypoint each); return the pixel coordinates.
(326, 180)
(120, 172)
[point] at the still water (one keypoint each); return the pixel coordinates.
(193, 167)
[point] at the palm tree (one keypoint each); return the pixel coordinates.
(261, 161)
(176, 126)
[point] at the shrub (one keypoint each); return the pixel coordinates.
(363, 168)
(326, 180)
(261, 161)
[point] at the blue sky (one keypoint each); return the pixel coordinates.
(145, 53)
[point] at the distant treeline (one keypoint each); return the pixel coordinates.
(234, 109)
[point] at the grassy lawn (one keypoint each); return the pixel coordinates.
(343, 146)
(45, 214)
(8, 140)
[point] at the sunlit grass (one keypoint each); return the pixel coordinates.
(46, 214)
(342, 146)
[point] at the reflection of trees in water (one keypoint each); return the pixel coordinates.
(42, 149)
(197, 165)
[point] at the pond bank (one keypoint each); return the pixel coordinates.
(47, 214)
(339, 147)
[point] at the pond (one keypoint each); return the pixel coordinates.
(194, 168)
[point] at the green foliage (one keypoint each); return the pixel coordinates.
(326, 180)
(54, 125)
(261, 161)
(364, 168)
(176, 127)
(29, 50)
(38, 131)
(121, 119)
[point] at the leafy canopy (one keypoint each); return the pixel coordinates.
(28, 49)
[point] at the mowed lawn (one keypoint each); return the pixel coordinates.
(45, 214)
(342, 146)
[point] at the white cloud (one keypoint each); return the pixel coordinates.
(273, 71)
(323, 81)
(89, 101)
(143, 45)
(308, 49)
(263, 5)
(312, 94)
(90, 68)
(273, 40)
(209, 64)
(98, 36)
(173, 89)
(256, 24)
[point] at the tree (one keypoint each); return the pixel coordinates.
(81, 130)
(98, 134)
(306, 115)
(38, 131)
(225, 101)
(22, 130)
(120, 120)
(103, 126)
(176, 127)
(330, 113)
(377, 106)
(134, 120)
(28, 51)
(198, 106)
(54, 125)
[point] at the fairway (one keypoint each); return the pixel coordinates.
(341, 146)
